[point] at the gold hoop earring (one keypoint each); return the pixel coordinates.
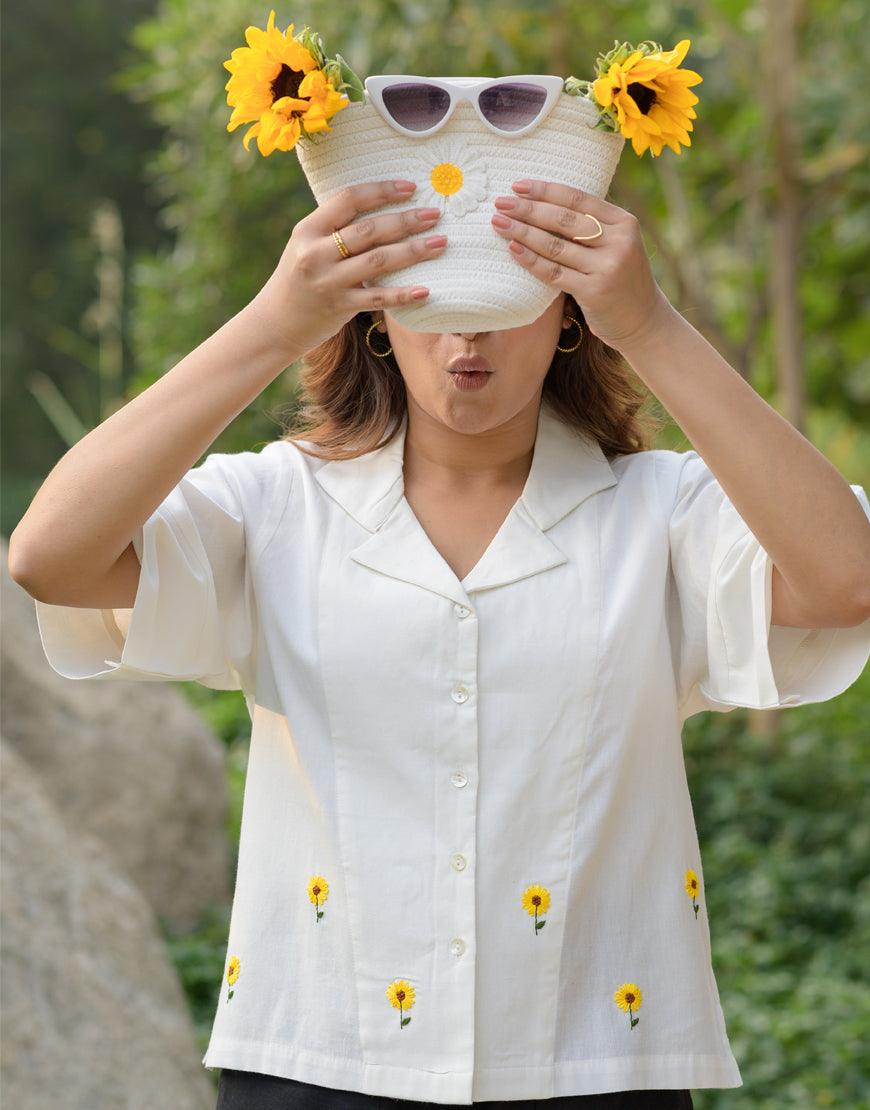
(568, 350)
(377, 354)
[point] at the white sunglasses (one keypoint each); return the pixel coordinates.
(419, 106)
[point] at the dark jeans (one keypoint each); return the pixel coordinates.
(240, 1090)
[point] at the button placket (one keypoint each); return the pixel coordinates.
(456, 919)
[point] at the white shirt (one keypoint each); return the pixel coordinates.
(436, 750)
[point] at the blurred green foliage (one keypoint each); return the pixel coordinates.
(781, 815)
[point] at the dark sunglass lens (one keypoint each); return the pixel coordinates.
(416, 107)
(512, 106)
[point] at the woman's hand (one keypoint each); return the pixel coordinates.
(317, 287)
(607, 271)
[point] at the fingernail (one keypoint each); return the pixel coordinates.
(435, 242)
(517, 248)
(501, 222)
(522, 186)
(506, 202)
(419, 294)
(428, 214)
(404, 186)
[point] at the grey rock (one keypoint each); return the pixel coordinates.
(131, 764)
(93, 1015)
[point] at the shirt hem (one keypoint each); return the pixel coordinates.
(487, 1084)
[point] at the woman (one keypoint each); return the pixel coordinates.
(468, 844)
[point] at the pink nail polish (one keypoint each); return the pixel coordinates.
(522, 186)
(404, 186)
(501, 222)
(435, 242)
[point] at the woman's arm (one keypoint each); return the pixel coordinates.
(74, 544)
(795, 502)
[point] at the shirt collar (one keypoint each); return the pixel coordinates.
(567, 468)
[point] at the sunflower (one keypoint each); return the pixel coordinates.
(318, 892)
(692, 889)
(277, 85)
(628, 998)
(649, 95)
(234, 968)
(401, 998)
(536, 900)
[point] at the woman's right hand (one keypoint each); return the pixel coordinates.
(315, 290)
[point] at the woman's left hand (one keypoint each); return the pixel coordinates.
(607, 271)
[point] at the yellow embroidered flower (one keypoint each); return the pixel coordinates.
(401, 998)
(234, 968)
(693, 888)
(649, 95)
(277, 84)
(536, 900)
(318, 892)
(629, 998)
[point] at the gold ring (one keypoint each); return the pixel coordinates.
(588, 238)
(340, 243)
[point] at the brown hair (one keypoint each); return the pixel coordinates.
(353, 401)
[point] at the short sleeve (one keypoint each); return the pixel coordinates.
(195, 612)
(729, 653)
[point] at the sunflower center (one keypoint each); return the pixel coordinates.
(400, 995)
(643, 96)
(629, 998)
(536, 899)
(287, 83)
(446, 179)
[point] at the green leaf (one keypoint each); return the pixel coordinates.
(352, 86)
(405, 1021)
(539, 925)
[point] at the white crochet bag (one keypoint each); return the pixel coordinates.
(476, 285)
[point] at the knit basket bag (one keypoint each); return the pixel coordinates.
(476, 284)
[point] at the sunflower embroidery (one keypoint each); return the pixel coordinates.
(628, 998)
(318, 892)
(536, 900)
(401, 998)
(693, 888)
(234, 968)
(647, 94)
(453, 177)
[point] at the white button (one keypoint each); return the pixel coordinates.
(458, 862)
(457, 947)
(460, 695)
(462, 611)
(459, 779)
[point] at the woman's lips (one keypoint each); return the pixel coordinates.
(469, 373)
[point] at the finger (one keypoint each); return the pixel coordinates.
(387, 257)
(355, 200)
(572, 219)
(551, 256)
(373, 231)
(567, 197)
